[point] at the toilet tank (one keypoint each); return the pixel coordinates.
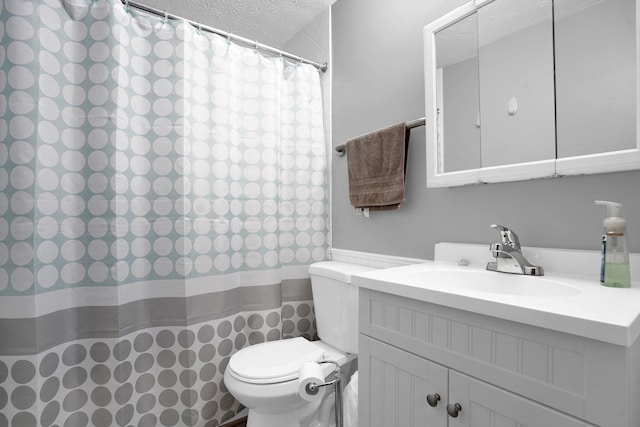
(336, 303)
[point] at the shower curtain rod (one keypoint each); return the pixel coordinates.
(342, 148)
(322, 67)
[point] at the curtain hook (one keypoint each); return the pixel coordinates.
(199, 28)
(256, 46)
(228, 38)
(126, 6)
(299, 61)
(165, 20)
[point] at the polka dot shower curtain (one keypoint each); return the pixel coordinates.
(162, 194)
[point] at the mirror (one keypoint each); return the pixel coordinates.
(458, 95)
(516, 82)
(557, 87)
(595, 76)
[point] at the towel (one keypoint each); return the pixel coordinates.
(377, 168)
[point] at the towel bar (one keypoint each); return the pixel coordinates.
(342, 148)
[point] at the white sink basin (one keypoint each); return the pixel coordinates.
(496, 283)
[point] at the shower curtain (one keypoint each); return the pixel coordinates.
(162, 193)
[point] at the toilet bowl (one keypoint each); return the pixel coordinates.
(264, 377)
(265, 380)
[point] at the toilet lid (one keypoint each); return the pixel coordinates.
(274, 361)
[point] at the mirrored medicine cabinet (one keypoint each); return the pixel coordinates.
(523, 89)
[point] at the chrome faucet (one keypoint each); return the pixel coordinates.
(508, 255)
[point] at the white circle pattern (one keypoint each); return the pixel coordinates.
(128, 148)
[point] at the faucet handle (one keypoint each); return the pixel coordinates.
(507, 236)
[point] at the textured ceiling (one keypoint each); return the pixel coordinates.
(271, 22)
(496, 20)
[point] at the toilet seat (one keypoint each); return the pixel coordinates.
(273, 362)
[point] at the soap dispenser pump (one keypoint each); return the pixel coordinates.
(614, 268)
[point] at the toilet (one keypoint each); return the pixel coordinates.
(264, 377)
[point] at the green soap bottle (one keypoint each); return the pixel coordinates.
(614, 269)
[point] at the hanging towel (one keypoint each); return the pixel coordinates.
(377, 167)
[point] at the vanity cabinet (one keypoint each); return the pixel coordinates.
(395, 384)
(399, 389)
(501, 373)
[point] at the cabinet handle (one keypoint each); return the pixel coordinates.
(453, 409)
(433, 399)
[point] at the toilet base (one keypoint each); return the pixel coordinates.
(305, 416)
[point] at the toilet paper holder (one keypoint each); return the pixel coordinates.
(337, 383)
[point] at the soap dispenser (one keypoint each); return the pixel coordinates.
(614, 269)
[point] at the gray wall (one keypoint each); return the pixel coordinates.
(459, 115)
(599, 40)
(378, 80)
(518, 65)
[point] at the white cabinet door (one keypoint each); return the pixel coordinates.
(393, 388)
(483, 405)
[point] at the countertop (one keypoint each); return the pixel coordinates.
(593, 311)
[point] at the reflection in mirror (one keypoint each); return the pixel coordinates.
(516, 82)
(589, 126)
(595, 76)
(458, 103)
